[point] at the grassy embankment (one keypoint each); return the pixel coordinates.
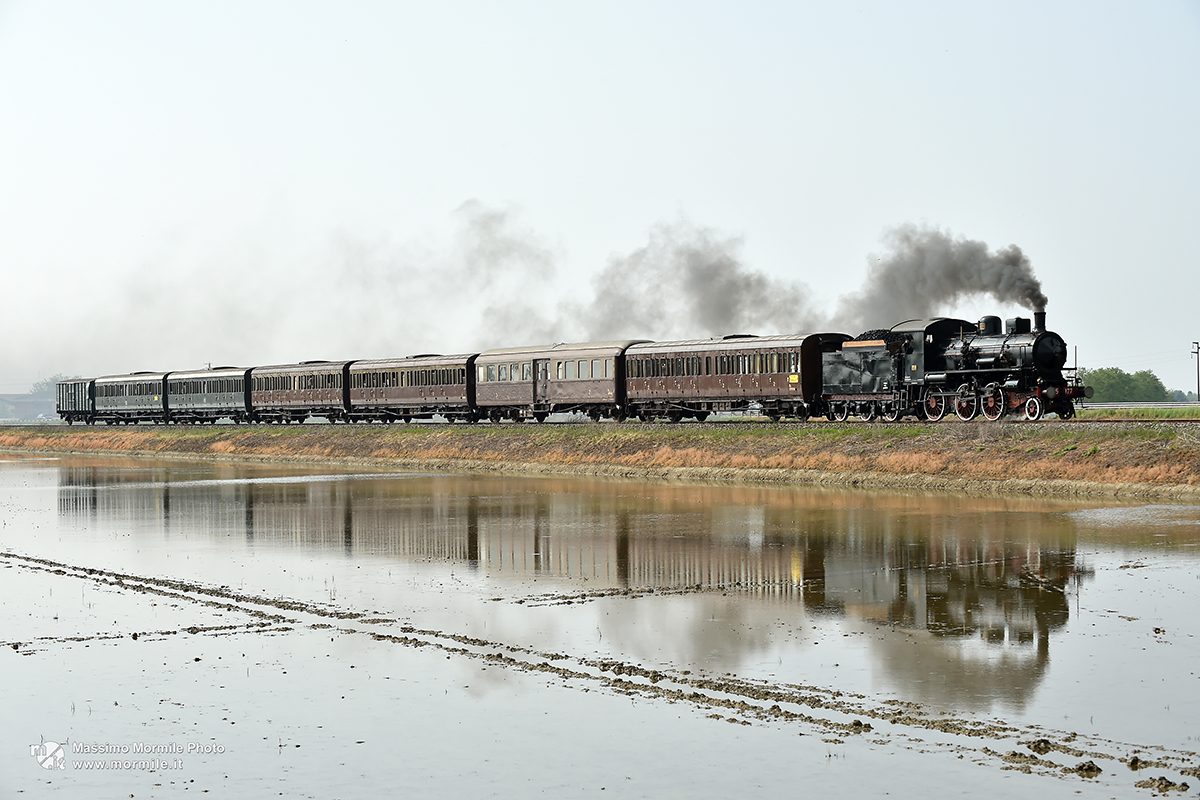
(1051, 458)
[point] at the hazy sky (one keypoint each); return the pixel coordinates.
(252, 183)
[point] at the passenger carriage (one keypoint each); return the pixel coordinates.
(416, 387)
(130, 399)
(294, 392)
(205, 396)
(696, 377)
(533, 382)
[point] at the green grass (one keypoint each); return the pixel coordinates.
(1191, 412)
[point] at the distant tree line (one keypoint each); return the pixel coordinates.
(46, 385)
(1115, 385)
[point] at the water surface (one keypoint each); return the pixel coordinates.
(340, 633)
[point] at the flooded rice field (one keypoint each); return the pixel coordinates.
(175, 628)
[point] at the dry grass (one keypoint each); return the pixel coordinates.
(1146, 453)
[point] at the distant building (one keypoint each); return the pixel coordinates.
(26, 406)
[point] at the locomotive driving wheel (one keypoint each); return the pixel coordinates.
(935, 407)
(994, 402)
(868, 412)
(1034, 409)
(966, 404)
(841, 412)
(892, 413)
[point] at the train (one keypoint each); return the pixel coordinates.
(923, 368)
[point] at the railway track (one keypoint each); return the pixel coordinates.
(710, 424)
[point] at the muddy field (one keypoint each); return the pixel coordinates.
(1133, 458)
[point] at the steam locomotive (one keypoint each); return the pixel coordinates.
(918, 368)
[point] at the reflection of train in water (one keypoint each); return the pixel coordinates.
(919, 368)
(926, 571)
(939, 573)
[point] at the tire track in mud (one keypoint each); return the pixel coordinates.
(832, 714)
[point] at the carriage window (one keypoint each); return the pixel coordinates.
(562, 374)
(502, 372)
(583, 369)
(570, 370)
(491, 372)
(527, 371)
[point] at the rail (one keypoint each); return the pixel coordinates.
(1135, 404)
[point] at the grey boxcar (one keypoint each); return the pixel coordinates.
(75, 400)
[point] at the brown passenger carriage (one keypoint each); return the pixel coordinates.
(295, 392)
(533, 382)
(416, 387)
(694, 378)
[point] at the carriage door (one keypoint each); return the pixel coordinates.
(541, 380)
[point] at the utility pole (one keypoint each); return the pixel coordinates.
(1196, 352)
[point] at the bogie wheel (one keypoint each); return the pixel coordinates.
(540, 416)
(966, 404)
(935, 407)
(893, 413)
(701, 416)
(841, 412)
(1034, 409)
(994, 402)
(675, 416)
(774, 416)
(1066, 412)
(868, 412)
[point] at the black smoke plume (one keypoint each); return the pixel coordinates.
(689, 282)
(928, 270)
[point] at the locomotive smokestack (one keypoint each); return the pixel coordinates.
(1039, 320)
